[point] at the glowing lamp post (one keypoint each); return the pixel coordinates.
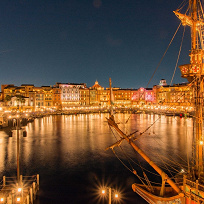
(2, 199)
(19, 195)
(116, 195)
(18, 128)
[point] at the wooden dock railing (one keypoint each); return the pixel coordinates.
(23, 192)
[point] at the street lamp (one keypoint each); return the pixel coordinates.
(18, 128)
(110, 191)
(2, 199)
(19, 193)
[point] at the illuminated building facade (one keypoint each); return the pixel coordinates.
(56, 97)
(84, 98)
(48, 97)
(36, 99)
(176, 95)
(70, 94)
(96, 94)
(122, 97)
(64, 95)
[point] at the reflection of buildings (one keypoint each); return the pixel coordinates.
(65, 95)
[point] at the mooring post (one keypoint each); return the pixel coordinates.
(28, 201)
(31, 195)
(109, 200)
(34, 190)
(9, 199)
(12, 198)
(38, 181)
(21, 179)
(4, 181)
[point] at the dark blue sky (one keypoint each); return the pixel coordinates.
(80, 41)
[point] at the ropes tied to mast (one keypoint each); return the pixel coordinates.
(164, 54)
(178, 56)
(147, 184)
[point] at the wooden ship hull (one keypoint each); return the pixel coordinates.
(169, 196)
(192, 194)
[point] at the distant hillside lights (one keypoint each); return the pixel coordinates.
(63, 96)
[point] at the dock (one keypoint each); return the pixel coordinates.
(23, 192)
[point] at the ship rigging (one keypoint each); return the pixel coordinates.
(186, 186)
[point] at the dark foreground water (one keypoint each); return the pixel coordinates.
(69, 154)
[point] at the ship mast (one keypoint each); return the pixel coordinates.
(111, 97)
(194, 72)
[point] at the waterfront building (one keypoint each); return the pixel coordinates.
(70, 94)
(94, 97)
(63, 96)
(143, 96)
(48, 97)
(97, 95)
(176, 95)
(122, 97)
(27, 88)
(8, 91)
(104, 97)
(134, 95)
(163, 95)
(36, 99)
(181, 95)
(56, 97)
(1, 96)
(162, 82)
(149, 96)
(3, 86)
(84, 99)
(18, 102)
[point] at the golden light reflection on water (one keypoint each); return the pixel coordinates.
(73, 141)
(169, 137)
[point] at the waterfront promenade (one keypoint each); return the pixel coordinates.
(8, 117)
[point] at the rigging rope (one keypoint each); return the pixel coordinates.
(122, 149)
(178, 56)
(181, 6)
(164, 54)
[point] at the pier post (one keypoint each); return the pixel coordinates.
(109, 195)
(38, 181)
(4, 181)
(34, 191)
(31, 195)
(10, 199)
(28, 199)
(21, 179)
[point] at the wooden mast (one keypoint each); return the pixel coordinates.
(194, 72)
(198, 88)
(162, 173)
(111, 98)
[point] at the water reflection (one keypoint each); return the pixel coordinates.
(71, 148)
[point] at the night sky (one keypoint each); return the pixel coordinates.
(80, 41)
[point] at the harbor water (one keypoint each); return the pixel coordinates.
(68, 152)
